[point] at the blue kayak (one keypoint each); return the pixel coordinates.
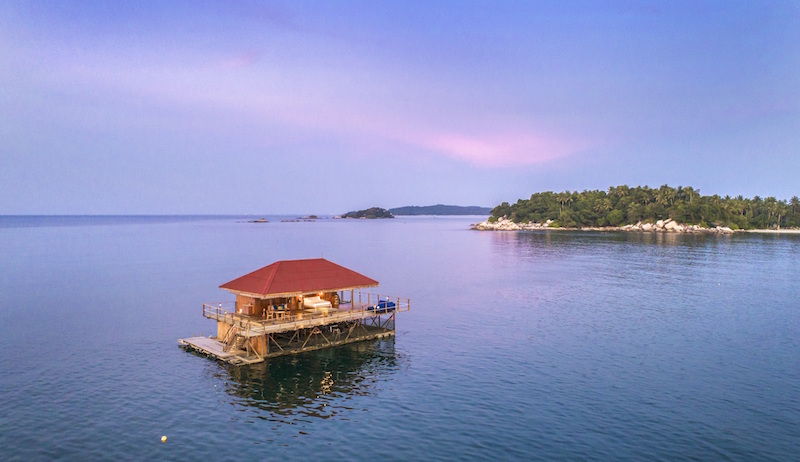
(384, 306)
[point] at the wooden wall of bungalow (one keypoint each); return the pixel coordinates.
(253, 306)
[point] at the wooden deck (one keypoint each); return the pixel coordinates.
(256, 326)
(211, 346)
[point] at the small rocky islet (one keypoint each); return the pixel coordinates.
(370, 213)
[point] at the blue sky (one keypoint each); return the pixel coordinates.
(325, 107)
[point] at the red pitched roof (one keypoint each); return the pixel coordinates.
(288, 277)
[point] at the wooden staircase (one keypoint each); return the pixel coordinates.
(235, 344)
(232, 340)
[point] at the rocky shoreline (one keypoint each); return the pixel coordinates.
(661, 226)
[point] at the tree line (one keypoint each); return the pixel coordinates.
(622, 205)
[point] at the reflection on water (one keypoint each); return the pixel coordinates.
(577, 241)
(602, 264)
(316, 384)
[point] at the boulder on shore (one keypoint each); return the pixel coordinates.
(662, 226)
(504, 224)
(673, 226)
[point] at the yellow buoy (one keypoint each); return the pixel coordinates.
(164, 439)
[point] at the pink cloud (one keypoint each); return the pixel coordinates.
(374, 130)
(297, 104)
(496, 147)
(503, 149)
(241, 60)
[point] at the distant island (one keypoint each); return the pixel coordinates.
(373, 212)
(440, 209)
(668, 209)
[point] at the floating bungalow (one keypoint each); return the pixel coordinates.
(293, 306)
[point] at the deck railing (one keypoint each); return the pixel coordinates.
(365, 304)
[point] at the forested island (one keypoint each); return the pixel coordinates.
(623, 205)
(373, 212)
(440, 209)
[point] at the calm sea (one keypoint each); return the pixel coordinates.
(518, 346)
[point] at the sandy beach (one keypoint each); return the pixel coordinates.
(771, 231)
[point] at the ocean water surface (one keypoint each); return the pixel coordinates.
(518, 346)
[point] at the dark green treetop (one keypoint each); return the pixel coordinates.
(373, 212)
(622, 204)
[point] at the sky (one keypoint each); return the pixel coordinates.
(245, 107)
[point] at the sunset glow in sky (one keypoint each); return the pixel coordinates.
(326, 106)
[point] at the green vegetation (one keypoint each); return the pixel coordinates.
(440, 209)
(374, 212)
(622, 205)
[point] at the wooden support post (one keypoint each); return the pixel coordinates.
(350, 331)
(275, 342)
(308, 338)
(391, 318)
(323, 336)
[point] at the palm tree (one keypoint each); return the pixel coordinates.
(781, 210)
(562, 198)
(793, 216)
(620, 191)
(665, 195)
(769, 205)
(689, 191)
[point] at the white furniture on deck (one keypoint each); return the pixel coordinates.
(317, 304)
